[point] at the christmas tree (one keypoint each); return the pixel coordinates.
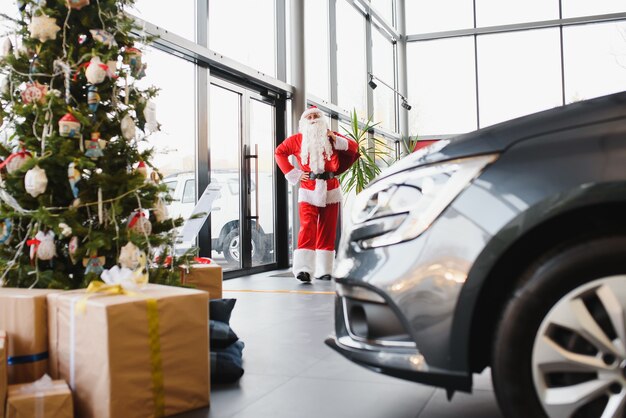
(76, 203)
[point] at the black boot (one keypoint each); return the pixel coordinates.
(303, 276)
(324, 277)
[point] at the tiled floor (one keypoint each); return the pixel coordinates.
(291, 373)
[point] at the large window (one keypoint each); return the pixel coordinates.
(385, 8)
(576, 8)
(518, 73)
(383, 68)
(175, 144)
(351, 65)
(435, 16)
(498, 12)
(316, 42)
(594, 60)
(442, 86)
(179, 19)
(244, 30)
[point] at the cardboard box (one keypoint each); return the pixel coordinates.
(130, 356)
(3, 371)
(52, 399)
(24, 317)
(207, 277)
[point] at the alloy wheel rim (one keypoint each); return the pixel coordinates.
(233, 248)
(579, 353)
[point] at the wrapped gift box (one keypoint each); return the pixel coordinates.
(24, 317)
(207, 277)
(3, 371)
(138, 355)
(49, 399)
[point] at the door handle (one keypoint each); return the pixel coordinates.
(255, 157)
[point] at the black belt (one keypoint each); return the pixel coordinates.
(326, 175)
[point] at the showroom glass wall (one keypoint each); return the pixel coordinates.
(490, 61)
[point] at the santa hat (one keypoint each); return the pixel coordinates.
(310, 111)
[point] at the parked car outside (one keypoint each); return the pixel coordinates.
(224, 213)
(501, 248)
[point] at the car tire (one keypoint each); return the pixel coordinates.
(524, 369)
(231, 247)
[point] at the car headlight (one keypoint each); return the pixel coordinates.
(403, 206)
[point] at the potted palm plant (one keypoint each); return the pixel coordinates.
(365, 169)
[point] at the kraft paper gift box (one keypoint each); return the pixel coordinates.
(45, 398)
(24, 317)
(207, 277)
(3, 371)
(135, 355)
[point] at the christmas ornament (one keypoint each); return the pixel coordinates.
(142, 169)
(128, 127)
(104, 37)
(4, 85)
(132, 57)
(72, 247)
(6, 227)
(46, 249)
(34, 92)
(35, 65)
(160, 210)
(69, 126)
(93, 98)
(16, 161)
(73, 176)
(94, 264)
(82, 38)
(149, 112)
(43, 28)
(111, 68)
(7, 47)
(77, 4)
(96, 71)
(139, 223)
(129, 256)
(66, 230)
(35, 181)
(94, 150)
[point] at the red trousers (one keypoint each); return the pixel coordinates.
(318, 226)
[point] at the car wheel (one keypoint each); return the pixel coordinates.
(232, 250)
(560, 346)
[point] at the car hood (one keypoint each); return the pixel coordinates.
(497, 138)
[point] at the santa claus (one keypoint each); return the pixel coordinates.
(321, 155)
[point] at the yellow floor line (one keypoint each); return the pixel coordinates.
(299, 292)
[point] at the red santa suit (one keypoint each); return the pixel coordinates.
(318, 198)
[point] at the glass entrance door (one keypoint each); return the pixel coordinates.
(241, 152)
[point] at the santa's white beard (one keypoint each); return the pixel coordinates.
(315, 144)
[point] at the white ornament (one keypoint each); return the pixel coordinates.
(17, 161)
(4, 85)
(43, 28)
(96, 71)
(66, 230)
(103, 37)
(160, 211)
(128, 127)
(35, 181)
(149, 112)
(129, 256)
(7, 47)
(139, 224)
(46, 249)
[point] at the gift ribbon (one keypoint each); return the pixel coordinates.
(30, 358)
(156, 364)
